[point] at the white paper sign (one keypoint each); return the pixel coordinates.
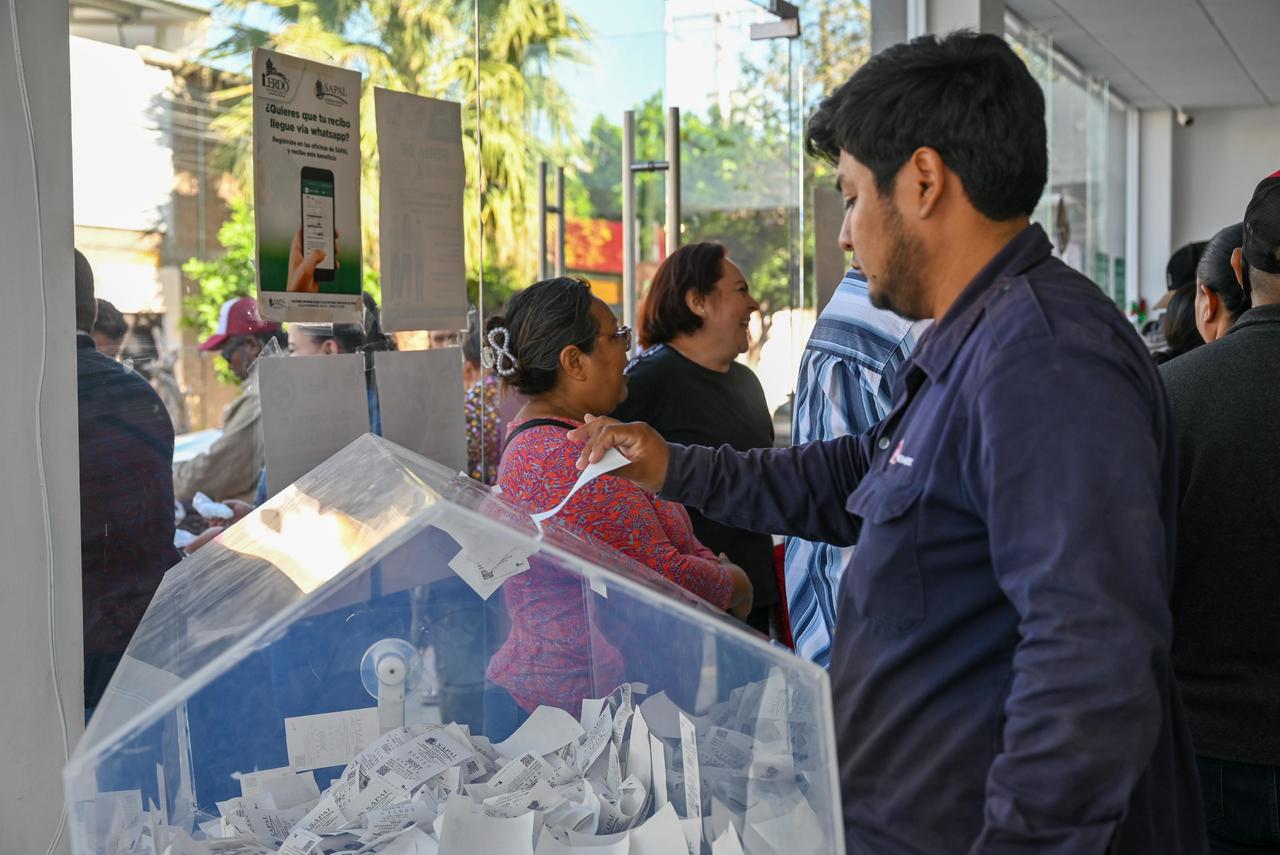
(421, 397)
(329, 739)
(424, 280)
(306, 178)
(312, 407)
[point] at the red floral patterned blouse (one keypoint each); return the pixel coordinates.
(551, 655)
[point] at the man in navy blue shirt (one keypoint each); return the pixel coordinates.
(1000, 669)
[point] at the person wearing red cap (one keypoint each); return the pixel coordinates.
(229, 469)
(1225, 401)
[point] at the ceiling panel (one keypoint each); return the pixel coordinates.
(1188, 53)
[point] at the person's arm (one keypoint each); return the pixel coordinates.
(798, 491)
(1067, 473)
(618, 513)
(230, 467)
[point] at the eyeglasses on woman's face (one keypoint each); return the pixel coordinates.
(621, 334)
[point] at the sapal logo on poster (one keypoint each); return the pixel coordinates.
(331, 93)
(274, 80)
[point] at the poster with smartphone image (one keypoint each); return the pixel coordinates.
(306, 189)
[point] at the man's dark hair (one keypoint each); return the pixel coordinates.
(349, 337)
(86, 305)
(110, 322)
(1216, 273)
(664, 314)
(541, 321)
(967, 96)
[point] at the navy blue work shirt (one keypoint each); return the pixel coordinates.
(1000, 671)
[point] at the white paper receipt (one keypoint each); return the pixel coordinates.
(329, 739)
(612, 460)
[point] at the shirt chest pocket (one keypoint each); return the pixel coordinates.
(885, 582)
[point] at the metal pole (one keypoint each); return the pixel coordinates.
(542, 220)
(673, 179)
(560, 260)
(628, 219)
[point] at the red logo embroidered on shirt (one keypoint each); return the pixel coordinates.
(899, 457)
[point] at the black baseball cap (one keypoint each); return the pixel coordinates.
(1262, 226)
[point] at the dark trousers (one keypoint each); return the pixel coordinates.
(1242, 805)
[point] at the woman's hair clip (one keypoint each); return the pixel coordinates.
(498, 355)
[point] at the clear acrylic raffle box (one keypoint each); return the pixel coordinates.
(388, 657)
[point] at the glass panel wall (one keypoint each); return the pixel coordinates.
(1083, 209)
(740, 159)
(168, 231)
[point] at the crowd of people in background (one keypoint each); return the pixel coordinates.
(1040, 569)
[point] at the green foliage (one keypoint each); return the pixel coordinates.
(223, 278)
(430, 47)
(739, 181)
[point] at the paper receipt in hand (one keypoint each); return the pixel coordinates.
(612, 460)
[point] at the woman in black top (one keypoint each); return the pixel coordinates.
(688, 386)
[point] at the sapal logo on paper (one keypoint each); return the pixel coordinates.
(274, 81)
(331, 93)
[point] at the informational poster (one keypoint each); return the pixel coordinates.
(421, 396)
(306, 187)
(424, 280)
(312, 407)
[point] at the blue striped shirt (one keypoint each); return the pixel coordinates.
(844, 386)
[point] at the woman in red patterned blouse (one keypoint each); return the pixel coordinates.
(563, 349)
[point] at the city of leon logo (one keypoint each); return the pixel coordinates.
(273, 80)
(331, 93)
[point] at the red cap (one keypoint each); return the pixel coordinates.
(239, 317)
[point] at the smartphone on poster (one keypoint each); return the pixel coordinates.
(317, 219)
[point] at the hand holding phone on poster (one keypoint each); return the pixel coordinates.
(304, 270)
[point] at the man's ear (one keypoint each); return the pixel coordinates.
(329, 347)
(1237, 264)
(923, 180)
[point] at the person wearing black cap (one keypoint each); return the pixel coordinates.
(1226, 595)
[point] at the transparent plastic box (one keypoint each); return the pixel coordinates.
(383, 607)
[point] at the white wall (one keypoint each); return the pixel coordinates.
(38, 295)
(1216, 164)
